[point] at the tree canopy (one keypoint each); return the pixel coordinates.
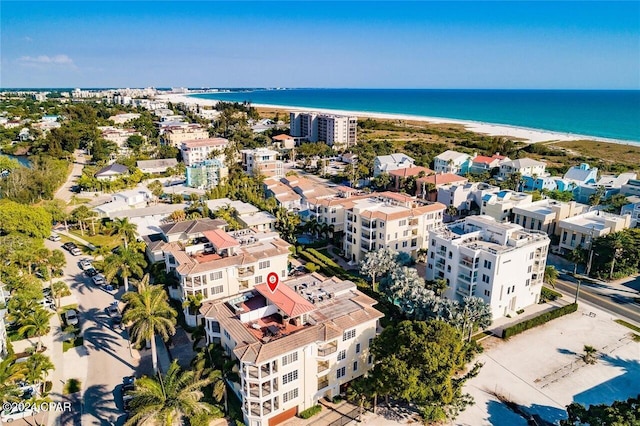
(420, 362)
(620, 413)
(28, 220)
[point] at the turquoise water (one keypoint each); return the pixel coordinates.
(613, 114)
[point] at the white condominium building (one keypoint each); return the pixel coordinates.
(452, 162)
(389, 220)
(222, 264)
(331, 129)
(499, 205)
(524, 166)
(198, 150)
(262, 161)
(580, 230)
(545, 215)
(295, 345)
(502, 263)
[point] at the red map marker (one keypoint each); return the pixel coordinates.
(273, 281)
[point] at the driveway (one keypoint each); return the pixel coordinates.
(102, 362)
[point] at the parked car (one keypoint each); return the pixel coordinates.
(128, 383)
(126, 400)
(113, 309)
(85, 264)
(15, 413)
(54, 237)
(116, 321)
(91, 272)
(76, 251)
(47, 302)
(71, 317)
(99, 279)
(68, 246)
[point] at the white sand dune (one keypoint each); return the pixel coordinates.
(520, 133)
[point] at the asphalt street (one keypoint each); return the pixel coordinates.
(108, 355)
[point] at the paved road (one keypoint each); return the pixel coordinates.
(64, 193)
(620, 301)
(107, 357)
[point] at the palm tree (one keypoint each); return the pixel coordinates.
(124, 229)
(358, 393)
(149, 313)
(54, 261)
(10, 373)
(36, 324)
(38, 366)
(60, 289)
(589, 354)
(126, 262)
(550, 275)
(170, 399)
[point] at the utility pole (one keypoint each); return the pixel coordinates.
(590, 252)
(577, 292)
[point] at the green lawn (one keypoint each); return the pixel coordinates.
(68, 344)
(98, 240)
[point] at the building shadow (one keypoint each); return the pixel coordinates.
(617, 388)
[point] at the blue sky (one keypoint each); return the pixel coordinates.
(572, 45)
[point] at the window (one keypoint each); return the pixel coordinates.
(217, 289)
(370, 342)
(448, 268)
(258, 279)
(508, 290)
(215, 326)
(487, 293)
(215, 276)
(349, 334)
(333, 220)
(433, 242)
(487, 264)
(357, 348)
(288, 359)
(485, 278)
(342, 355)
(290, 377)
(527, 283)
(264, 264)
(355, 366)
(404, 243)
(402, 222)
(288, 396)
(370, 359)
(341, 372)
(405, 233)
(227, 335)
(529, 269)
(531, 256)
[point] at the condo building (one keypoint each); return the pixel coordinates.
(334, 130)
(295, 345)
(501, 263)
(175, 134)
(222, 264)
(389, 220)
(262, 161)
(198, 150)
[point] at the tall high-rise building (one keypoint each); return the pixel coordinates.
(334, 130)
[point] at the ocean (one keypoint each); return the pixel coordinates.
(612, 114)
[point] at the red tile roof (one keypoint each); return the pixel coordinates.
(484, 159)
(442, 179)
(287, 300)
(411, 171)
(220, 239)
(282, 137)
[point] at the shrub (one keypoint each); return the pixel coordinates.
(72, 386)
(327, 261)
(539, 320)
(548, 294)
(336, 399)
(311, 258)
(310, 412)
(311, 267)
(48, 385)
(519, 311)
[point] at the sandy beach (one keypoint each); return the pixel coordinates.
(519, 133)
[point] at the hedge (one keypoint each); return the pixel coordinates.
(323, 258)
(312, 258)
(539, 320)
(311, 267)
(311, 411)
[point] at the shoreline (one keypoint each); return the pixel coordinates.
(522, 134)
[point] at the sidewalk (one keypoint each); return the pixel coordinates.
(529, 312)
(76, 238)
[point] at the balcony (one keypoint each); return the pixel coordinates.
(464, 290)
(328, 349)
(441, 252)
(369, 225)
(323, 366)
(365, 246)
(368, 236)
(251, 372)
(323, 382)
(440, 264)
(469, 263)
(413, 222)
(244, 284)
(467, 278)
(245, 272)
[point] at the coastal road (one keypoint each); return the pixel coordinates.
(103, 360)
(622, 301)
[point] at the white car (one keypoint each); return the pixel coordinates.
(71, 316)
(76, 251)
(54, 237)
(85, 264)
(15, 413)
(99, 279)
